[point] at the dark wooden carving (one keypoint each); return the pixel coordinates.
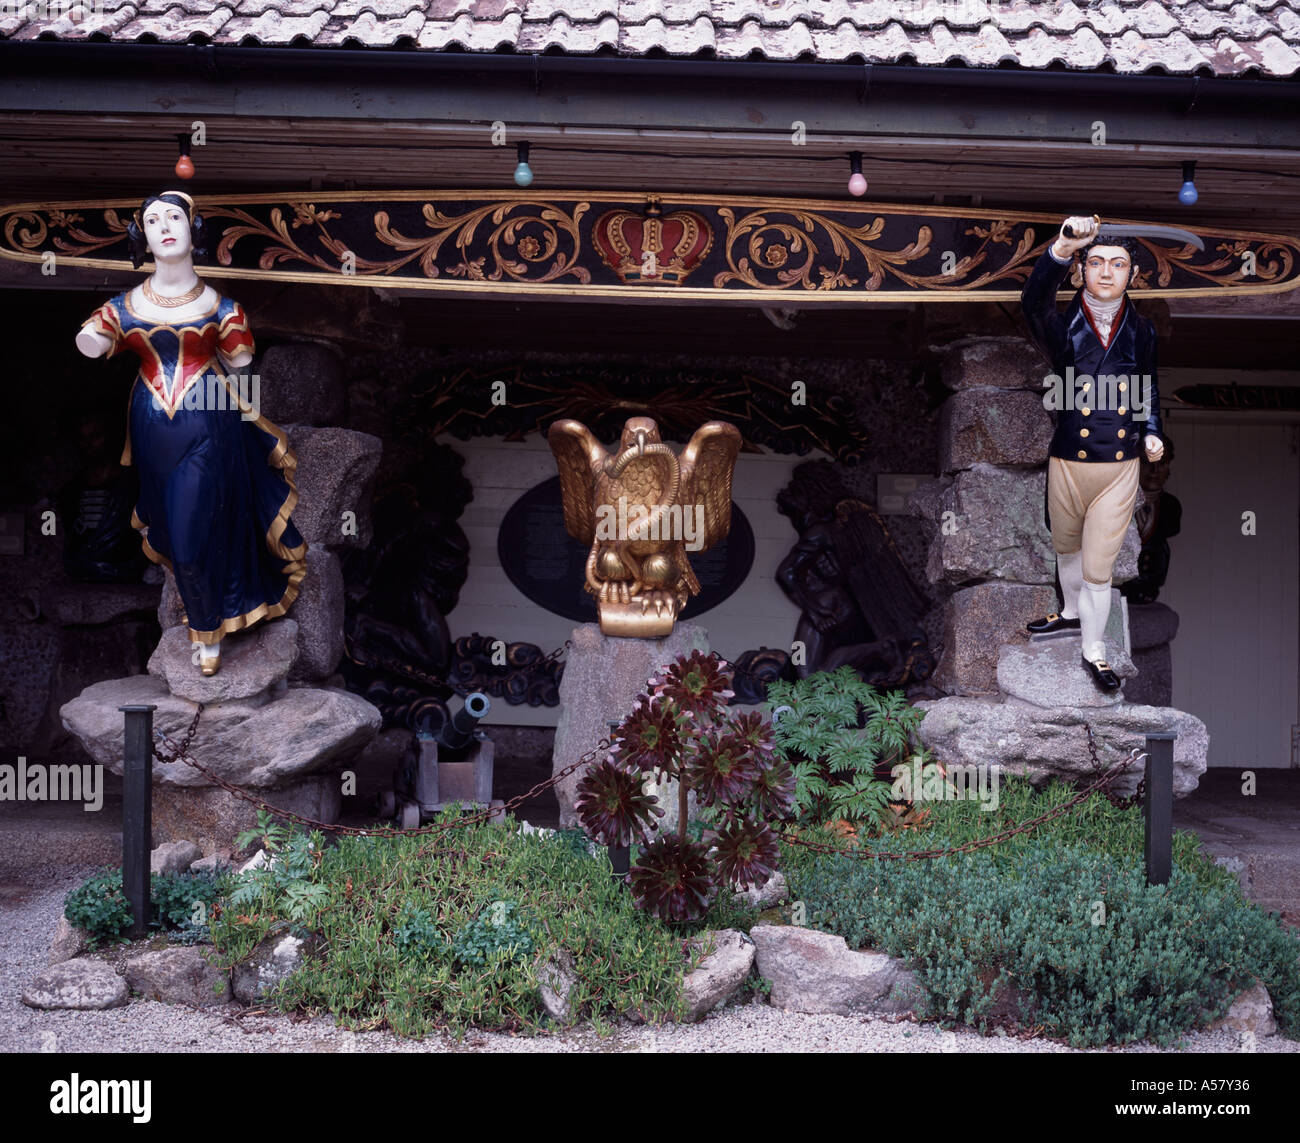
(859, 605)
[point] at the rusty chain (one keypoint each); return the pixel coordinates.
(181, 752)
(1115, 799)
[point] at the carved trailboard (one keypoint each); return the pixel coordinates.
(619, 244)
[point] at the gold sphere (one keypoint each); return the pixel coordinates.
(610, 566)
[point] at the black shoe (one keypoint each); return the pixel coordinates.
(1053, 622)
(1106, 679)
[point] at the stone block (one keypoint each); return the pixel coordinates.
(977, 622)
(215, 818)
(318, 611)
(252, 662)
(1040, 743)
(997, 362)
(335, 476)
(1152, 625)
(990, 525)
(269, 744)
(715, 979)
(86, 604)
(178, 976)
(83, 983)
(1050, 673)
(302, 383)
(603, 674)
(993, 426)
(174, 856)
(816, 972)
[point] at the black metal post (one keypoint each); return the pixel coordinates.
(620, 856)
(137, 812)
(1159, 806)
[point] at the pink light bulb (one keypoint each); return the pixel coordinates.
(857, 184)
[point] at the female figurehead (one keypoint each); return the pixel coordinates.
(216, 478)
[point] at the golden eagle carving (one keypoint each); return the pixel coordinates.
(642, 511)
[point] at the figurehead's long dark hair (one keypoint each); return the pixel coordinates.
(138, 245)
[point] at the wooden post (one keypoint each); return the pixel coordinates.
(137, 812)
(1158, 806)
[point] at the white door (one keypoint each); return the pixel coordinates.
(1236, 660)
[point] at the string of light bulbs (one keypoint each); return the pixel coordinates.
(857, 184)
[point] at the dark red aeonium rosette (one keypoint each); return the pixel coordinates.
(612, 806)
(673, 879)
(747, 853)
(696, 683)
(774, 789)
(722, 770)
(756, 732)
(648, 738)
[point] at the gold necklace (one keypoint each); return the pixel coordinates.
(173, 301)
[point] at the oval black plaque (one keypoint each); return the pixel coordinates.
(547, 564)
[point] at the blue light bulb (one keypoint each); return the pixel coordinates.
(1187, 193)
(524, 175)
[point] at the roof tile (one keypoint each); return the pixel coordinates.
(1228, 37)
(465, 32)
(678, 39)
(284, 7)
(176, 26)
(370, 31)
(563, 33)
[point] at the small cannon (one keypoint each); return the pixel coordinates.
(444, 765)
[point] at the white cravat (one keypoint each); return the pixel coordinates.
(1103, 313)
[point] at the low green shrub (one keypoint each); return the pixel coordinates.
(497, 933)
(179, 901)
(450, 931)
(1103, 957)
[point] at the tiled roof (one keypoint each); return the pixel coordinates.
(1219, 37)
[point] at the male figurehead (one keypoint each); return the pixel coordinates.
(1104, 355)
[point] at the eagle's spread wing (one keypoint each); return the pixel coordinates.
(707, 465)
(579, 456)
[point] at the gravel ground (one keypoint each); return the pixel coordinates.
(27, 922)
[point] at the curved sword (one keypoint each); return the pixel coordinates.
(1143, 230)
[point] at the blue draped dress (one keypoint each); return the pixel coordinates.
(216, 478)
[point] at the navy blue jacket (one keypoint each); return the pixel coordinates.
(1103, 426)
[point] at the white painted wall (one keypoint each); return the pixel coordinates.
(1236, 660)
(501, 471)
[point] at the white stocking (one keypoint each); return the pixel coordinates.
(1094, 610)
(1069, 567)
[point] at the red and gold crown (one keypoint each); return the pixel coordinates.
(652, 249)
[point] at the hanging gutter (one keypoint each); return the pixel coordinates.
(219, 63)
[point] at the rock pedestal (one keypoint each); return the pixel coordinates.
(1035, 728)
(270, 724)
(1016, 704)
(602, 677)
